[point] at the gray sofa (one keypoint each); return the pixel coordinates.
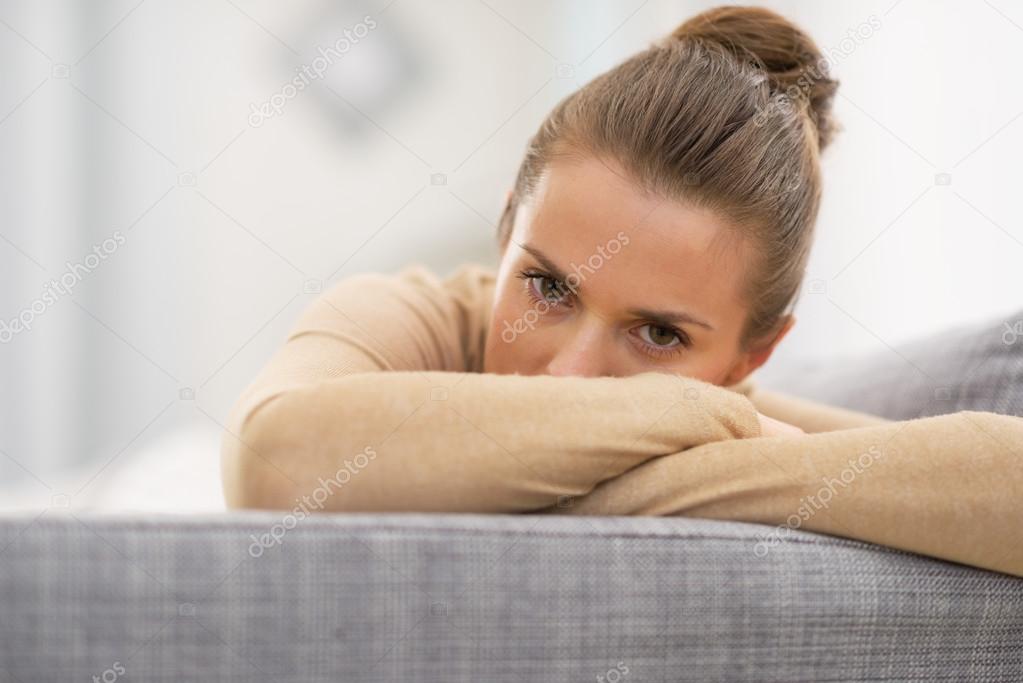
(239, 597)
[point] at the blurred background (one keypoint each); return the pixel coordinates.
(181, 178)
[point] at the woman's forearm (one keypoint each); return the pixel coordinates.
(810, 416)
(442, 441)
(949, 486)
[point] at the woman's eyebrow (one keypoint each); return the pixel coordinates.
(554, 269)
(666, 318)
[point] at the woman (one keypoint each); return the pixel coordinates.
(651, 251)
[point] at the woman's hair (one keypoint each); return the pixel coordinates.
(729, 112)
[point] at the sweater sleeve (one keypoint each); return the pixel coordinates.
(378, 397)
(947, 486)
(810, 416)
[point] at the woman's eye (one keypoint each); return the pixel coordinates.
(660, 336)
(553, 291)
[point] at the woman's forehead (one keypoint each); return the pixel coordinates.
(585, 208)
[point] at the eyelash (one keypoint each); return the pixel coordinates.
(527, 276)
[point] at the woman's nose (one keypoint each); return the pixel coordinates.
(582, 353)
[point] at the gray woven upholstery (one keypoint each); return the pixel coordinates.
(486, 598)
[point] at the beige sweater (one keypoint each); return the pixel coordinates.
(377, 402)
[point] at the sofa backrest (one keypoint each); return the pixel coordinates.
(977, 367)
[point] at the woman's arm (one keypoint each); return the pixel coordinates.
(378, 366)
(807, 416)
(949, 486)
(810, 416)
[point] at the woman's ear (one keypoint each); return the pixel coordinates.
(758, 353)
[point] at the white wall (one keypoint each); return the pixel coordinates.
(135, 118)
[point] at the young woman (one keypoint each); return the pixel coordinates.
(651, 250)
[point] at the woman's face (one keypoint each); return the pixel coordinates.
(601, 279)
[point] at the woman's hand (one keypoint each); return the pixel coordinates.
(771, 427)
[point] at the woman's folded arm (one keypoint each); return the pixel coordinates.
(948, 486)
(810, 416)
(445, 441)
(375, 367)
